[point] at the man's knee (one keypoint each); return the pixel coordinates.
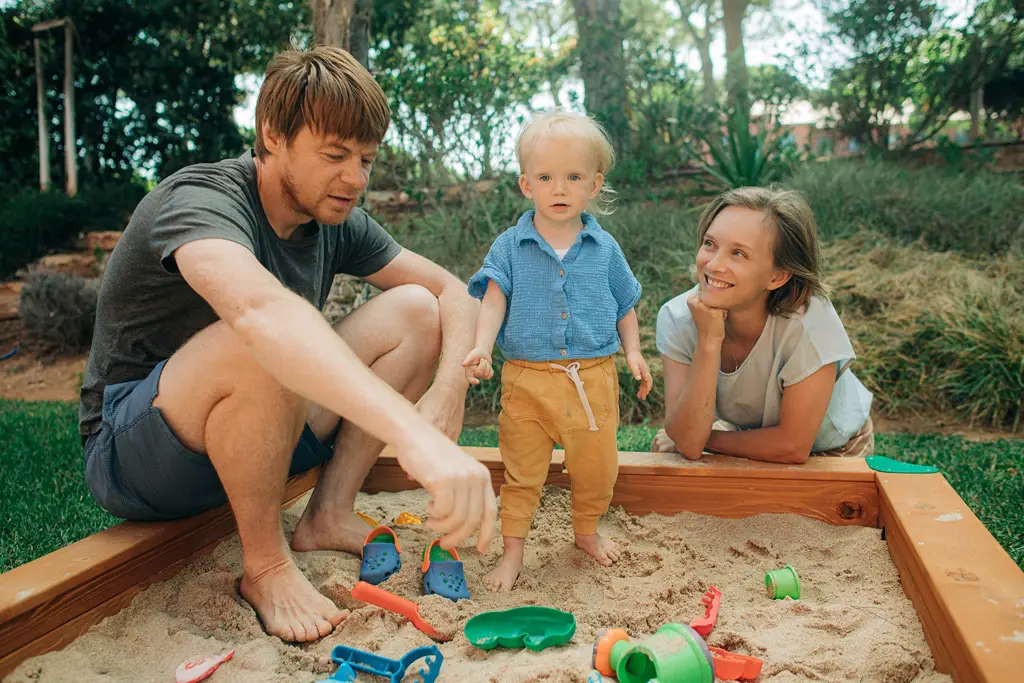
(421, 313)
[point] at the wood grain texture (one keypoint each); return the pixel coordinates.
(62, 589)
(966, 589)
(839, 491)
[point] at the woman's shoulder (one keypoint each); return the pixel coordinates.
(817, 323)
(676, 310)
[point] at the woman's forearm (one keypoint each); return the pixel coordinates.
(769, 444)
(688, 421)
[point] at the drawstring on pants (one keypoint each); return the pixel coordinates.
(573, 371)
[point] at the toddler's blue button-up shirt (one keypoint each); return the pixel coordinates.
(558, 308)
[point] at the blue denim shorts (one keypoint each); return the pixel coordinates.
(136, 468)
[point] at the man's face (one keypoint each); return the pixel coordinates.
(323, 176)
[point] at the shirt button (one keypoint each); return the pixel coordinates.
(561, 273)
(564, 352)
(564, 316)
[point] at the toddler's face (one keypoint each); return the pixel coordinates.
(736, 261)
(560, 176)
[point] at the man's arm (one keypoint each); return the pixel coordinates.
(444, 402)
(291, 340)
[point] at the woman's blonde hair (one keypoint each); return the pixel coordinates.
(795, 243)
(558, 123)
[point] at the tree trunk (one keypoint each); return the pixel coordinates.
(736, 60)
(344, 24)
(977, 99)
(703, 43)
(600, 36)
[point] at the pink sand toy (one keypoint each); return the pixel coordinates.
(198, 668)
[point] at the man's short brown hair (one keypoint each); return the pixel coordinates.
(325, 89)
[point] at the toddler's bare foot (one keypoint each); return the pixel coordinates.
(600, 548)
(504, 576)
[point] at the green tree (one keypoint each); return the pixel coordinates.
(455, 83)
(910, 65)
(155, 80)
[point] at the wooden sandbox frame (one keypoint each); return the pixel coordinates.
(967, 591)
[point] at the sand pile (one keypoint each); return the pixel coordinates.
(852, 623)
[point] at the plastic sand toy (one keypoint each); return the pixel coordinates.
(532, 627)
(712, 600)
(375, 595)
(782, 583)
(442, 573)
(406, 518)
(369, 520)
(198, 668)
(381, 556)
(674, 654)
(350, 660)
(733, 667)
(880, 463)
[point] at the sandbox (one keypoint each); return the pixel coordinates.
(852, 622)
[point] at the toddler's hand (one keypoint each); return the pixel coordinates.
(478, 366)
(641, 373)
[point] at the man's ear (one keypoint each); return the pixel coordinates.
(524, 185)
(598, 184)
(780, 278)
(272, 139)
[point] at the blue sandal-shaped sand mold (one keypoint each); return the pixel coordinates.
(442, 573)
(532, 627)
(381, 556)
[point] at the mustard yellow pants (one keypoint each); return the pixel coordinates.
(541, 405)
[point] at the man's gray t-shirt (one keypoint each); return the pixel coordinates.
(147, 311)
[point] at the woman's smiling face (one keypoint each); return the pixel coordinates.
(736, 260)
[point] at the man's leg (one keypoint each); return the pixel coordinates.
(398, 335)
(218, 400)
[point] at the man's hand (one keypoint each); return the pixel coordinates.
(641, 373)
(445, 408)
(462, 496)
(478, 366)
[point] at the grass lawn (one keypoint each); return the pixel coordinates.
(44, 504)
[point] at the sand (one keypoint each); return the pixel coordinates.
(852, 623)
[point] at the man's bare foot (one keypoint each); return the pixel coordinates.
(288, 605)
(600, 548)
(504, 576)
(343, 531)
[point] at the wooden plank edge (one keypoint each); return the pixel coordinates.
(63, 635)
(839, 502)
(144, 550)
(967, 590)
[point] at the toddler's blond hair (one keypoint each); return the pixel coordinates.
(558, 123)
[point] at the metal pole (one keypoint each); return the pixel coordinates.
(70, 141)
(44, 134)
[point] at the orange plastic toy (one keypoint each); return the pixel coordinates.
(730, 666)
(712, 600)
(375, 595)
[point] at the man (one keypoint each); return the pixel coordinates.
(213, 375)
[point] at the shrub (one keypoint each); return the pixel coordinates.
(980, 213)
(58, 313)
(32, 222)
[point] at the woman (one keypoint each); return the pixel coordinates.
(756, 358)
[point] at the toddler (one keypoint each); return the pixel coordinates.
(558, 298)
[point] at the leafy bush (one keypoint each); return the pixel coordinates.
(32, 222)
(980, 213)
(58, 312)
